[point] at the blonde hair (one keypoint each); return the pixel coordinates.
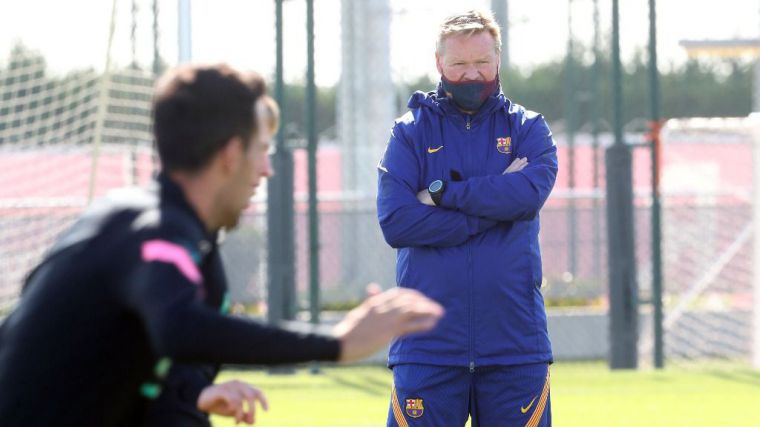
(270, 112)
(469, 23)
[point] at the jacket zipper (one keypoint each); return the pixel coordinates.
(470, 298)
(472, 284)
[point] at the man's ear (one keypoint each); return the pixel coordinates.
(438, 63)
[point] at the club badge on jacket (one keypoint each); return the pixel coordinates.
(504, 145)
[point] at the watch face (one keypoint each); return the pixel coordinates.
(435, 186)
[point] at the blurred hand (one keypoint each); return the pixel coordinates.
(424, 197)
(516, 165)
(230, 398)
(370, 326)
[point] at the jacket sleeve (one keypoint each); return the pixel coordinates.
(514, 196)
(404, 220)
(162, 292)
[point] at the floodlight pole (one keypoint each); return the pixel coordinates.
(157, 69)
(500, 9)
(623, 290)
(183, 28)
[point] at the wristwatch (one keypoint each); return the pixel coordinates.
(435, 189)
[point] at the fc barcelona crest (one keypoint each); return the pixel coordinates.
(504, 145)
(414, 408)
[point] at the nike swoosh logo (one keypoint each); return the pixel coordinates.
(434, 150)
(525, 409)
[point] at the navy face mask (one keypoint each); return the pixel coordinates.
(469, 95)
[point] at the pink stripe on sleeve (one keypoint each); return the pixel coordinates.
(172, 253)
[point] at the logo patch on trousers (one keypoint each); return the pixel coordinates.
(504, 145)
(414, 408)
(526, 408)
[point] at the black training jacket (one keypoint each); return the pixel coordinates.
(120, 298)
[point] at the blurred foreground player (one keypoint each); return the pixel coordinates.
(122, 294)
(188, 395)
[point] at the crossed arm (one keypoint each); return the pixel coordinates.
(516, 166)
(403, 219)
(408, 217)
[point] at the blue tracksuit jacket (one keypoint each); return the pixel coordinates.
(477, 253)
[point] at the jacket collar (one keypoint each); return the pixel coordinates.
(438, 102)
(171, 194)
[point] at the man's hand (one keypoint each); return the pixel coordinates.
(424, 197)
(229, 399)
(516, 165)
(370, 326)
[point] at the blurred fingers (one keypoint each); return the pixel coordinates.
(516, 165)
(252, 395)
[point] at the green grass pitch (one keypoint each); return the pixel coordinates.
(583, 394)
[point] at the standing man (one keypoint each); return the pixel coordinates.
(461, 184)
(123, 294)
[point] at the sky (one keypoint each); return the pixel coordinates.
(73, 34)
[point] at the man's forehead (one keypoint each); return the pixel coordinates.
(480, 41)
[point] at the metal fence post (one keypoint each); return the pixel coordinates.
(311, 131)
(622, 263)
(280, 241)
(654, 87)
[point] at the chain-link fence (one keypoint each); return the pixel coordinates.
(708, 239)
(706, 193)
(50, 163)
(68, 134)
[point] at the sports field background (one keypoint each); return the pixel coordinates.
(583, 394)
(49, 99)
